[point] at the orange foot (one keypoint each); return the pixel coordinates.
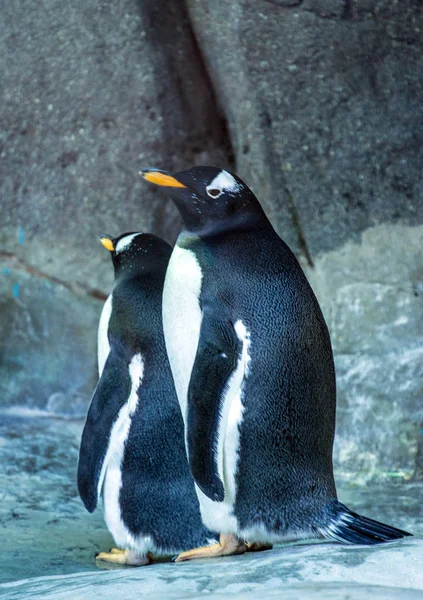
(228, 545)
(124, 557)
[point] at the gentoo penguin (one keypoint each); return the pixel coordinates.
(252, 363)
(132, 448)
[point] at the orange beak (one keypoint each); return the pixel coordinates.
(160, 178)
(107, 243)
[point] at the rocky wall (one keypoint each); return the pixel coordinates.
(317, 105)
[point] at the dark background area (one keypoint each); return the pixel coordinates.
(317, 105)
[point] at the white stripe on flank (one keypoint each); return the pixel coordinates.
(111, 469)
(103, 346)
(236, 409)
(220, 515)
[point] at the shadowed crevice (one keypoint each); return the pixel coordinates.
(221, 122)
(347, 13)
(302, 242)
(281, 4)
(186, 74)
(184, 86)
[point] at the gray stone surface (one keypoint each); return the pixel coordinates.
(372, 296)
(90, 93)
(324, 107)
(49, 540)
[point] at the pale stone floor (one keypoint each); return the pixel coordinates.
(49, 540)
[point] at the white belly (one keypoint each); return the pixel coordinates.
(182, 318)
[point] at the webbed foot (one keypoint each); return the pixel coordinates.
(124, 557)
(228, 545)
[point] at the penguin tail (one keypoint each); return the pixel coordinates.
(348, 527)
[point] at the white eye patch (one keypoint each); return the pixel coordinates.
(222, 182)
(125, 242)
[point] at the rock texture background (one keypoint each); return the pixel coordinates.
(318, 105)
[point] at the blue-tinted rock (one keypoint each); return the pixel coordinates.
(372, 296)
(47, 344)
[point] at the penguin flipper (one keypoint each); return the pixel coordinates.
(348, 527)
(215, 361)
(111, 393)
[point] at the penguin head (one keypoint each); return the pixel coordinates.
(209, 199)
(135, 251)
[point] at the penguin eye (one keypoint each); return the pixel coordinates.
(214, 192)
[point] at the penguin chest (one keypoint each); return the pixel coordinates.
(182, 317)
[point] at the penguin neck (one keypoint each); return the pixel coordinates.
(125, 270)
(242, 222)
